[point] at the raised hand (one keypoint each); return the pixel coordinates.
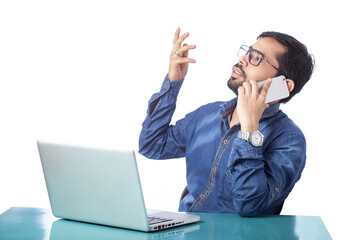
(179, 59)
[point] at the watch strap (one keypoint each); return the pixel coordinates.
(244, 135)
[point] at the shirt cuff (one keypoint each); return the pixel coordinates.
(244, 151)
(172, 86)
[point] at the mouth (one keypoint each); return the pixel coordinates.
(237, 72)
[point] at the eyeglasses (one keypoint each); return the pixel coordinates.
(255, 57)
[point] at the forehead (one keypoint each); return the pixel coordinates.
(270, 47)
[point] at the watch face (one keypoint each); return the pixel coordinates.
(256, 138)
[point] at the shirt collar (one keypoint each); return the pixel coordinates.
(228, 108)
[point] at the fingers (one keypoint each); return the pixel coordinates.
(179, 59)
(180, 52)
(249, 90)
(176, 36)
(178, 40)
(183, 51)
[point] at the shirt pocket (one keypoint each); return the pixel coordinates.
(225, 192)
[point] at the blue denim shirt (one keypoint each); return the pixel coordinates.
(225, 173)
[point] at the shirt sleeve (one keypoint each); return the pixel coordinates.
(158, 139)
(264, 178)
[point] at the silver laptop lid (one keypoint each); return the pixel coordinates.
(94, 185)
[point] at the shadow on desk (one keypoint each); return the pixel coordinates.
(268, 227)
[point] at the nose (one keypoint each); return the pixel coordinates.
(243, 60)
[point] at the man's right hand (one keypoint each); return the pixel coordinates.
(179, 60)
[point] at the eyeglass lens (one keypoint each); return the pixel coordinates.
(254, 56)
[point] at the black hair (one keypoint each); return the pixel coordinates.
(296, 64)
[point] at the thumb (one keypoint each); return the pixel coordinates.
(265, 88)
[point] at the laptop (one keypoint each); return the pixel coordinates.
(100, 186)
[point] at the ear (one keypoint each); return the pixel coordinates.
(290, 84)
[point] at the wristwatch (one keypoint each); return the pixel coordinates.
(255, 138)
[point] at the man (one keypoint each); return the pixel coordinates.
(242, 156)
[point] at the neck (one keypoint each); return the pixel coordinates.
(234, 118)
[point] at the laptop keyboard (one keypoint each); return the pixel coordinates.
(154, 220)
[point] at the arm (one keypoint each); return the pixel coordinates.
(261, 180)
(158, 139)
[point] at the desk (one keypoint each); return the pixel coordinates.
(39, 223)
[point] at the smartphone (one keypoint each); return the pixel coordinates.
(278, 89)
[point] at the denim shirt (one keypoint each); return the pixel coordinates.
(225, 173)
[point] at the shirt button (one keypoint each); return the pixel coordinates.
(166, 86)
(276, 189)
(214, 169)
(202, 196)
(225, 141)
(273, 195)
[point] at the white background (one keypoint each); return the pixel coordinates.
(83, 71)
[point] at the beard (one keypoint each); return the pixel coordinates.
(234, 83)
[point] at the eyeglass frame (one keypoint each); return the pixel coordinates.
(248, 52)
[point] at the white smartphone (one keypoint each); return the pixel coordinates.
(278, 89)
